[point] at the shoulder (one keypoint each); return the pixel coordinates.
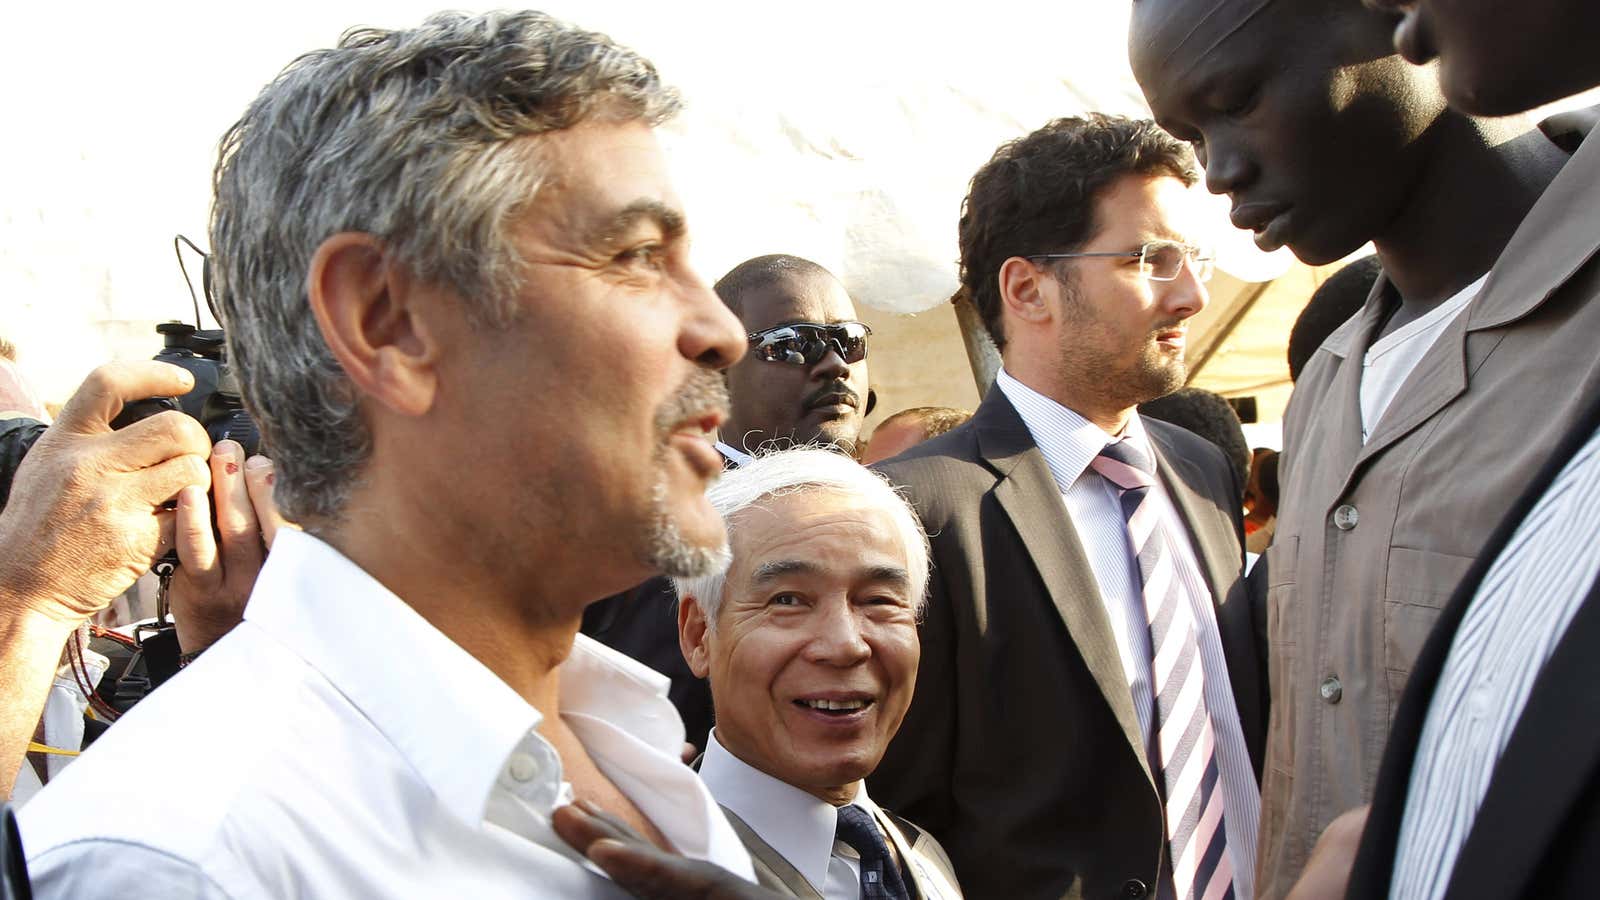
(941, 474)
(204, 766)
(1175, 442)
(102, 868)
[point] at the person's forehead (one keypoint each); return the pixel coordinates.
(797, 297)
(795, 526)
(1138, 208)
(1171, 38)
(595, 172)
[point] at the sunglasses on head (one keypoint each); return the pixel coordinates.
(805, 343)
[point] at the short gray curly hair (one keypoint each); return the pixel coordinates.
(411, 136)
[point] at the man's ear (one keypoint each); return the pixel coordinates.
(1022, 291)
(372, 314)
(692, 635)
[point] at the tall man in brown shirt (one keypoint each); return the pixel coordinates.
(1325, 139)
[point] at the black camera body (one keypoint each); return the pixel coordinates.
(215, 402)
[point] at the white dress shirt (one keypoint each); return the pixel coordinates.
(1391, 358)
(1519, 614)
(798, 825)
(335, 744)
(1069, 443)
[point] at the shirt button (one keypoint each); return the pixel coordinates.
(1331, 690)
(1133, 889)
(523, 767)
(1345, 517)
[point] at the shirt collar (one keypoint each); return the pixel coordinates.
(732, 454)
(453, 719)
(799, 826)
(1068, 441)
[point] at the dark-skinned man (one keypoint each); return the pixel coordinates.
(1494, 797)
(804, 381)
(1325, 139)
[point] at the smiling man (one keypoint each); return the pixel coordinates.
(1390, 481)
(809, 640)
(1088, 699)
(431, 246)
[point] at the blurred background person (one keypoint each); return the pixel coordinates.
(909, 427)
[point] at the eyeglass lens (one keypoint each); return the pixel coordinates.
(1163, 261)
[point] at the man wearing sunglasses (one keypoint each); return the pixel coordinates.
(804, 380)
(1088, 703)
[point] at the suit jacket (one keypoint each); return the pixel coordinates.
(929, 867)
(1372, 538)
(1021, 751)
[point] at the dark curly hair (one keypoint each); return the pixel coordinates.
(1037, 194)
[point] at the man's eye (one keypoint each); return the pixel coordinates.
(650, 256)
(1237, 104)
(785, 600)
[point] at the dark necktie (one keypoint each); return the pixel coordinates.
(880, 876)
(1184, 743)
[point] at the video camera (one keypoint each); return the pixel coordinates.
(216, 401)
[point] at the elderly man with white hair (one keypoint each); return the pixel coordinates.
(809, 640)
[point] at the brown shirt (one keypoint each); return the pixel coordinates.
(1373, 537)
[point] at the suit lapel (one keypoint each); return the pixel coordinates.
(1028, 494)
(1550, 760)
(931, 882)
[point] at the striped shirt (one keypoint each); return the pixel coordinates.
(1521, 610)
(1070, 443)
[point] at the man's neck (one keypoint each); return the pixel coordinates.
(1107, 415)
(1479, 183)
(519, 637)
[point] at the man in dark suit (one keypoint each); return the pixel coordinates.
(1087, 711)
(804, 381)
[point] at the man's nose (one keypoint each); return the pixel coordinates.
(837, 639)
(831, 366)
(711, 335)
(1228, 169)
(1185, 295)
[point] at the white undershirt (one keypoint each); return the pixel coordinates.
(1391, 358)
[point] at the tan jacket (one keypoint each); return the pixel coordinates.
(1372, 539)
(931, 873)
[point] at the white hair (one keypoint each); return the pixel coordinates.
(785, 472)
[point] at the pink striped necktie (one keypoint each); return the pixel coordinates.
(1182, 744)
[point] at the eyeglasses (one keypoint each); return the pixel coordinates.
(1158, 260)
(805, 343)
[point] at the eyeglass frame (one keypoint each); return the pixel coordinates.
(757, 339)
(1191, 256)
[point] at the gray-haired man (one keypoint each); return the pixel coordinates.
(809, 640)
(431, 245)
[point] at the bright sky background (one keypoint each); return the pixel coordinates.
(842, 131)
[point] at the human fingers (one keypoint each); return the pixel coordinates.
(581, 823)
(197, 548)
(259, 476)
(236, 516)
(154, 439)
(649, 873)
(161, 483)
(113, 385)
